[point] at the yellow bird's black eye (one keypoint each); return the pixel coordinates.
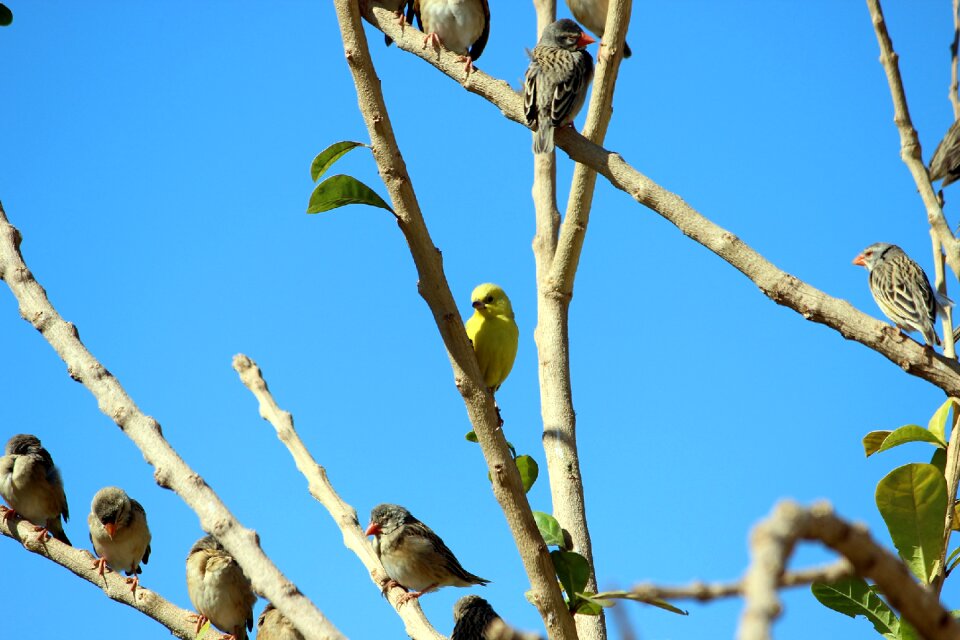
(488, 300)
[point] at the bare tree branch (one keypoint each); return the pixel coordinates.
(954, 93)
(171, 472)
(781, 287)
(952, 473)
(114, 585)
(772, 544)
(546, 14)
(507, 487)
(415, 622)
(910, 143)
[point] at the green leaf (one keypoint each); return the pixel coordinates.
(6, 16)
(586, 606)
(913, 502)
(471, 436)
(853, 597)
(956, 517)
(902, 435)
(873, 441)
(953, 561)
(907, 632)
(340, 190)
(606, 596)
(529, 471)
(572, 570)
(550, 529)
(203, 630)
(938, 423)
(328, 156)
(939, 459)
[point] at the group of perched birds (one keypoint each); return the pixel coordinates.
(556, 82)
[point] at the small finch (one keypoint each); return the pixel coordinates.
(273, 625)
(463, 26)
(31, 484)
(218, 589)
(471, 617)
(902, 290)
(593, 15)
(556, 82)
(945, 163)
(119, 533)
(413, 556)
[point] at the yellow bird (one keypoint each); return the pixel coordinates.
(494, 334)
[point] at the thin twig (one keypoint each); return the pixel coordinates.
(910, 143)
(781, 287)
(171, 472)
(344, 515)
(952, 473)
(772, 543)
(546, 14)
(507, 487)
(113, 585)
(954, 86)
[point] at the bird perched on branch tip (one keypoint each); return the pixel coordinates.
(31, 485)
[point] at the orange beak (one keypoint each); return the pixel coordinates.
(372, 529)
(584, 40)
(110, 527)
(859, 261)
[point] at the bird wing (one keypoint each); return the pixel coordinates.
(569, 94)
(946, 158)
(477, 48)
(530, 93)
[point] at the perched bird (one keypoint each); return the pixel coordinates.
(397, 6)
(494, 333)
(902, 290)
(471, 617)
(593, 15)
(463, 26)
(272, 625)
(556, 82)
(218, 588)
(31, 484)
(414, 557)
(945, 163)
(119, 533)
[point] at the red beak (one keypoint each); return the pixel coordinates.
(372, 529)
(584, 41)
(859, 261)
(110, 527)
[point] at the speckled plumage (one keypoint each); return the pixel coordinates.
(413, 555)
(31, 485)
(218, 588)
(471, 617)
(945, 163)
(901, 289)
(557, 80)
(273, 625)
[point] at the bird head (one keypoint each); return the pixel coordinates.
(385, 518)
(490, 300)
(22, 444)
(111, 506)
(871, 255)
(565, 34)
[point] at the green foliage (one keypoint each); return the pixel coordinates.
(877, 441)
(913, 502)
(938, 423)
(574, 572)
(606, 598)
(550, 529)
(854, 597)
(202, 633)
(340, 190)
(529, 471)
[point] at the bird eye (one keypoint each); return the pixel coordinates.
(488, 300)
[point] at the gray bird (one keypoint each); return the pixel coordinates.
(273, 625)
(471, 617)
(593, 15)
(413, 556)
(31, 484)
(119, 533)
(463, 26)
(945, 163)
(902, 290)
(557, 79)
(218, 589)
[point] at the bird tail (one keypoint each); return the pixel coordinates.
(56, 530)
(543, 138)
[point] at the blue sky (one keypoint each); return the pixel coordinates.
(156, 159)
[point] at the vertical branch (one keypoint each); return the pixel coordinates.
(507, 487)
(546, 14)
(954, 85)
(952, 474)
(909, 143)
(949, 350)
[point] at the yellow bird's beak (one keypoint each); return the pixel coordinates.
(477, 304)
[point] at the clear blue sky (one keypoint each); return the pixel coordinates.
(156, 158)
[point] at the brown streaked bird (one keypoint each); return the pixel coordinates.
(218, 589)
(945, 163)
(592, 14)
(463, 26)
(413, 556)
(557, 79)
(119, 533)
(273, 625)
(472, 616)
(31, 484)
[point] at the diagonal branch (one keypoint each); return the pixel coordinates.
(113, 585)
(508, 490)
(417, 625)
(781, 287)
(171, 472)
